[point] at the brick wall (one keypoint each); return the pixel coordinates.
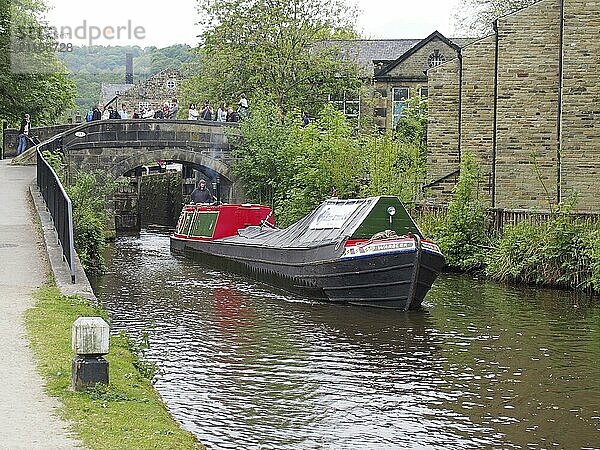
(580, 139)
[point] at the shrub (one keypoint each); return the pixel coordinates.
(462, 235)
(89, 194)
(561, 252)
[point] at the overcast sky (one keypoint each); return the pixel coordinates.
(145, 23)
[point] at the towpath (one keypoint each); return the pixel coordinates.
(28, 415)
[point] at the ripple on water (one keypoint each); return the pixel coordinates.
(246, 366)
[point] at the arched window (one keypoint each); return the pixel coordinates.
(436, 58)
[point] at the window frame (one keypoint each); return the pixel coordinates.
(396, 115)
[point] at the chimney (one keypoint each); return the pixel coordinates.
(129, 68)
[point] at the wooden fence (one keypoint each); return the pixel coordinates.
(498, 218)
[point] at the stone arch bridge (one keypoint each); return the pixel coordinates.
(122, 146)
(125, 147)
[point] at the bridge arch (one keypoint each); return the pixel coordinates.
(180, 155)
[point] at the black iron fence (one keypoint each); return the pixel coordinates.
(61, 210)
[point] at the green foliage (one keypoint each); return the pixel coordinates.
(560, 252)
(262, 163)
(54, 160)
(326, 156)
(395, 167)
(462, 236)
(89, 194)
(90, 66)
(268, 49)
(32, 79)
(294, 168)
(412, 125)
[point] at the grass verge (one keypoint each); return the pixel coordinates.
(127, 414)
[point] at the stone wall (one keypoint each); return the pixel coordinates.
(409, 73)
(10, 139)
(547, 139)
(442, 129)
(478, 104)
(580, 138)
(161, 199)
(383, 107)
(528, 82)
(417, 63)
(156, 91)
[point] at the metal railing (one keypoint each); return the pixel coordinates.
(61, 210)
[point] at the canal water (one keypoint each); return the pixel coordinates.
(245, 366)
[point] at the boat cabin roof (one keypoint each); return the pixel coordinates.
(337, 220)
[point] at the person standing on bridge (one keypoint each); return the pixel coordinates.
(96, 113)
(222, 113)
(173, 110)
(206, 111)
(243, 107)
(201, 194)
(193, 112)
(24, 134)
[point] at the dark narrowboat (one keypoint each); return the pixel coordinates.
(361, 251)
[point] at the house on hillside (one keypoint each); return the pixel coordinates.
(152, 93)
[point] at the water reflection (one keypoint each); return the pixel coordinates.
(246, 367)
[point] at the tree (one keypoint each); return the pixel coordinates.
(273, 50)
(32, 79)
(475, 17)
(292, 167)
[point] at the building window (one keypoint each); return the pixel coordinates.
(171, 84)
(436, 58)
(423, 92)
(400, 97)
(347, 102)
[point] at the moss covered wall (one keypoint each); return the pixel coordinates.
(160, 199)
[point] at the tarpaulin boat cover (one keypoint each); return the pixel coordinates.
(335, 221)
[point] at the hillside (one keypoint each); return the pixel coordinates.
(91, 66)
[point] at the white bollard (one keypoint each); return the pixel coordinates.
(89, 340)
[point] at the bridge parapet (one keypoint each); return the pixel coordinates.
(10, 140)
(118, 146)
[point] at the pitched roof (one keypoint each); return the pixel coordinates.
(377, 56)
(435, 35)
(109, 91)
(365, 51)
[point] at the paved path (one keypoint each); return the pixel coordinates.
(27, 418)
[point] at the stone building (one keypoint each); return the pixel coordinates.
(394, 70)
(525, 101)
(152, 93)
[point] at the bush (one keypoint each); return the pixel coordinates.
(462, 235)
(562, 252)
(89, 194)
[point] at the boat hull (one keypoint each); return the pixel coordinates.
(396, 280)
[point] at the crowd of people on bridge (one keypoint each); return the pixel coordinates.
(223, 113)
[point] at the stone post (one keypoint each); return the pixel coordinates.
(90, 340)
